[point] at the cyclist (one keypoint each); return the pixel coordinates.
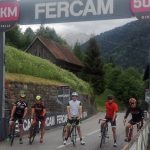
(137, 116)
(111, 114)
(38, 112)
(74, 109)
(18, 112)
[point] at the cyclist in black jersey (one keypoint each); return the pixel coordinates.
(136, 113)
(19, 112)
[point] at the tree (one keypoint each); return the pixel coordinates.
(15, 38)
(77, 51)
(50, 34)
(28, 36)
(93, 67)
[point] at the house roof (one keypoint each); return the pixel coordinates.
(60, 52)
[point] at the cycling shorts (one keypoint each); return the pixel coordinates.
(133, 122)
(113, 123)
(69, 122)
(38, 118)
(19, 118)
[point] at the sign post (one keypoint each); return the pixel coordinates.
(2, 97)
(9, 15)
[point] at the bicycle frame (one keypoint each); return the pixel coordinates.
(73, 131)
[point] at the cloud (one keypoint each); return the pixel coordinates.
(88, 27)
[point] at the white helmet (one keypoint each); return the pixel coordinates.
(74, 94)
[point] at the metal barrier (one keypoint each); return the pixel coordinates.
(140, 140)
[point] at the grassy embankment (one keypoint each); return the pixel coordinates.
(24, 67)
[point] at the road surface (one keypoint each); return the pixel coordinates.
(90, 129)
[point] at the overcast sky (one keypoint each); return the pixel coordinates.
(92, 27)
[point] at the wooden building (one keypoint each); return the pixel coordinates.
(55, 53)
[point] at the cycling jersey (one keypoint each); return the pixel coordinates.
(39, 107)
(137, 114)
(74, 107)
(111, 108)
(20, 108)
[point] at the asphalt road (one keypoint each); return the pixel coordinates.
(90, 129)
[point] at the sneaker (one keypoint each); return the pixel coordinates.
(115, 144)
(82, 142)
(65, 142)
(20, 141)
(100, 134)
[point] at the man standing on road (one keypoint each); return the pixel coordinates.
(74, 110)
(111, 114)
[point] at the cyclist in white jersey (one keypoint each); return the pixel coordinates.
(74, 109)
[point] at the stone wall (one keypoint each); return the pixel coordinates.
(49, 95)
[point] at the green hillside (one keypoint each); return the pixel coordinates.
(19, 62)
(126, 46)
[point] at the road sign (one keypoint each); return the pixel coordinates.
(9, 14)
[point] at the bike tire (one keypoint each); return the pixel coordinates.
(33, 134)
(103, 135)
(12, 136)
(74, 136)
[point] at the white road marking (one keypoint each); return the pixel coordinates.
(91, 133)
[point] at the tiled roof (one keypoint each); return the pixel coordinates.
(60, 52)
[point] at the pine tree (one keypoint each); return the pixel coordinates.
(77, 51)
(93, 67)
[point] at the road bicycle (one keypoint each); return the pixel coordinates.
(104, 132)
(130, 133)
(73, 131)
(34, 129)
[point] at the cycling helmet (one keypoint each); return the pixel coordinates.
(74, 94)
(22, 95)
(132, 100)
(38, 98)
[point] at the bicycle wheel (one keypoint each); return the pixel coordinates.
(103, 135)
(33, 131)
(74, 136)
(12, 135)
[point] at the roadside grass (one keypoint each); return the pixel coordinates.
(19, 62)
(30, 79)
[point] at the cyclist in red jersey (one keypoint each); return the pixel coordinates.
(111, 114)
(39, 112)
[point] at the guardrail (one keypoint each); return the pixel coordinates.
(140, 140)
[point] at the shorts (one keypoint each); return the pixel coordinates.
(69, 122)
(133, 122)
(19, 118)
(38, 118)
(113, 123)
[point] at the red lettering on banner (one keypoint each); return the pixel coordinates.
(9, 11)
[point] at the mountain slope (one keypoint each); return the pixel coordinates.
(127, 46)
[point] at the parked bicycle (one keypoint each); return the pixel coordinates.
(104, 132)
(34, 129)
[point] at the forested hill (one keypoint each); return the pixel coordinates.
(127, 46)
